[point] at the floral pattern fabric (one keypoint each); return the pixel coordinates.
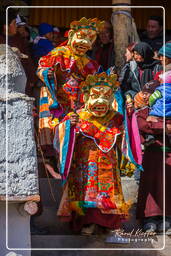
(94, 178)
(70, 70)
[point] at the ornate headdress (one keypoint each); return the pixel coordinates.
(84, 23)
(101, 79)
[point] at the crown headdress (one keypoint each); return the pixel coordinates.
(101, 79)
(93, 24)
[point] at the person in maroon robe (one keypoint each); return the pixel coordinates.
(150, 205)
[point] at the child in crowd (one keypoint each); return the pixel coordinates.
(160, 100)
(43, 43)
(141, 100)
(161, 97)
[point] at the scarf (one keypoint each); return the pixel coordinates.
(147, 66)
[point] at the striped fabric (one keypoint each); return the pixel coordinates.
(64, 140)
(155, 96)
(161, 107)
(70, 71)
(45, 129)
(139, 100)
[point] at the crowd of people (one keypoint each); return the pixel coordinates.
(58, 72)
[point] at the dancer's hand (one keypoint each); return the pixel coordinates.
(74, 118)
(129, 105)
(130, 108)
(50, 73)
(168, 128)
(153, 119)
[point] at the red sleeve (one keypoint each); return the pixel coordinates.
(47, 61)
(156, 77)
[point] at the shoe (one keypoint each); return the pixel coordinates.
(160, 227)
(88, 230)
(149, 140)
(150, 227)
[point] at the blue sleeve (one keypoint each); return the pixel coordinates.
(43, 47)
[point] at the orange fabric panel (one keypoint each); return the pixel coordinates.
(44, 107)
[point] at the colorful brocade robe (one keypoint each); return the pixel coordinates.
(94, 173)
(69, 70)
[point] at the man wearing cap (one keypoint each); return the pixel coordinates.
(141, 99)
(165, 56)
(21, 26)
(43, 43)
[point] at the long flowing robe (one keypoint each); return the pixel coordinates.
(150, 196)
(93, 188)
(63, 91)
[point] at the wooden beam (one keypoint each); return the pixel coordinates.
(122, 30)
(35, 198)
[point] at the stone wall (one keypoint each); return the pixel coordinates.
(19, 163)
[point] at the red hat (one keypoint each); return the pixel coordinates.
(56, 30)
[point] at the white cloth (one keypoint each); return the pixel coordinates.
(37, 39)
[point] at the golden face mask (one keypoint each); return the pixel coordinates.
(98, 92)
(83, 34)
(81, 41)
(99, 100)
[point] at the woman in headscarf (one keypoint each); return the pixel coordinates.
(144, 72)
(129, 66)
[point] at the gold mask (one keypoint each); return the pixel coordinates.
(98, 92)
(99, 101)
(82, 41)
(83, 34)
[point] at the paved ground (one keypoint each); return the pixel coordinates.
(96, 246)
(61, 236)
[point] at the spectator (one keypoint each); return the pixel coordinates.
(165, 56)
(11, 24)
(15, 40)
(103, 51)
(150, 196)
(43, 43)
(129, 55)
(64, 38)
(21, 41)
(141, 99)
(21, 25)
(163, 91)
(154, 33)
(56, 37)
(33, 33)
(143, 73)
(130, 65)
